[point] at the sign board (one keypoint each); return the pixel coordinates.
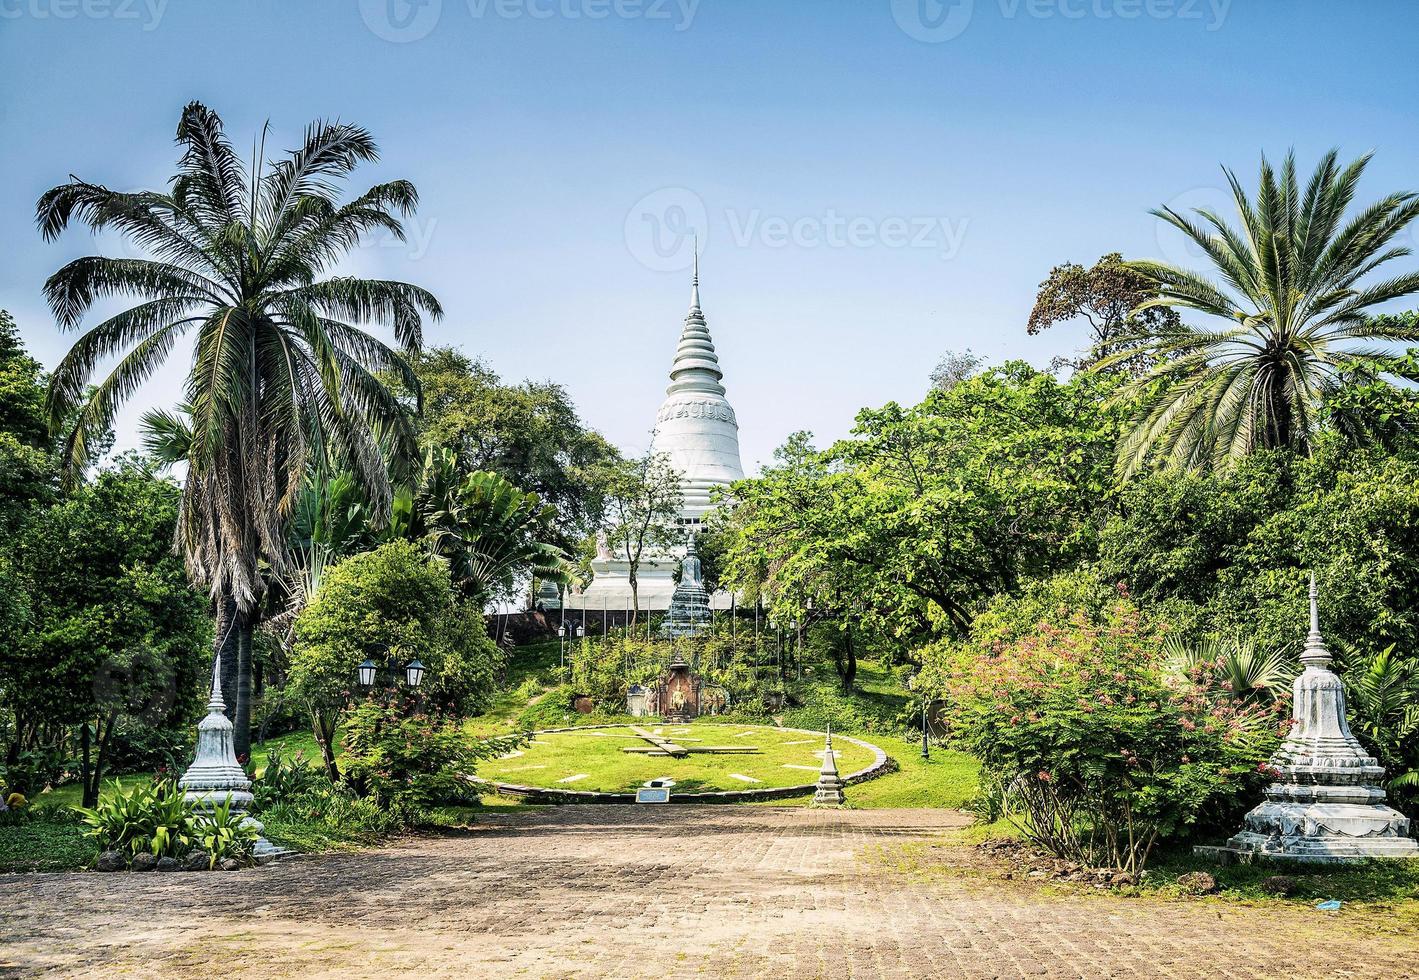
(653, 794)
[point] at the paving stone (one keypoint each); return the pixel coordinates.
(678, 891)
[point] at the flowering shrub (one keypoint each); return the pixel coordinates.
(413, 761)
(1098, 748)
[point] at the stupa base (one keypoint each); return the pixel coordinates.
(1324, 833)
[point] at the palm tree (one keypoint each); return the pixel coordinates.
(1296, 318)
(489, 531)
(1247, 673)
(281, 375)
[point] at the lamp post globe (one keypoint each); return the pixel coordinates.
(414, 672)
(365, 672)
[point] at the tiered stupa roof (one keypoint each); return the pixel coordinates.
(696, 426)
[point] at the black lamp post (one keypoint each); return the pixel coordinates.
(412, 673)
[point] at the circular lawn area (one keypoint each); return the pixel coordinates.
(596, 760)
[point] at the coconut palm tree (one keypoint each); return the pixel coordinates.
(1294, 301)
(281, 373)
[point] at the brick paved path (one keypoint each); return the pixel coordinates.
(624, 891)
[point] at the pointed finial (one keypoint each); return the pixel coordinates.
(216, 702)
(830, 734)
(1315, 653)
(695, 280)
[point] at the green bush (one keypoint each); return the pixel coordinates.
(329, 816)
(398, 599)
(413, 762)
(1098, 749)
(156, 818)
(152, 817)
(285, 777)
(225, 833)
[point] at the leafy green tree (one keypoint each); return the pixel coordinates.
(397, 601)
(280, 372)
(925, 512)
(529, 433)
(114, 627)
(1107, 297)
(27, 473)
(1293, 304)
(642, 499)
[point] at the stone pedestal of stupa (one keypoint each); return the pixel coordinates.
(830, 785)
(1328, 804)
(215, 776)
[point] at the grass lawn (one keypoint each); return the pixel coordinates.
(51, 841)
(592, 759)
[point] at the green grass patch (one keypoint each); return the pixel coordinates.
(947, 780)
(1366, 881)
(785, 758)
(49, 841)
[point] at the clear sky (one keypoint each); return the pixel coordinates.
(874, 181)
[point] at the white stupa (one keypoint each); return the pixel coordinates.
(696, 426)
(697, 429)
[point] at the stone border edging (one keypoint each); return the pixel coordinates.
(542, 794)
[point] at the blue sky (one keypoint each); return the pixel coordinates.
(875, 181)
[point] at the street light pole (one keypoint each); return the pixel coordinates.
(925, 747)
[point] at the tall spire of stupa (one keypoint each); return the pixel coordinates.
(696, 366)
(695, 282)
(696, 426)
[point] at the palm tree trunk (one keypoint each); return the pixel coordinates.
(241, 723)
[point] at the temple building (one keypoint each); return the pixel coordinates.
(697, 429)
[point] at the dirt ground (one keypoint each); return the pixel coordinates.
(623, 891)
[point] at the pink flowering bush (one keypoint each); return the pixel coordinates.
(1099, 748)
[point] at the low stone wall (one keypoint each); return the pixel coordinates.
(540, 794)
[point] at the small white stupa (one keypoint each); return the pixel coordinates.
(1327, 804)
(215, 776)
(696, 428)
